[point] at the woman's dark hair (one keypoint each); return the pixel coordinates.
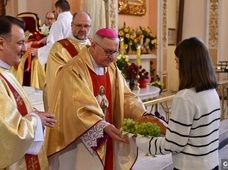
(63, 4)
(195, 65)
(6, 23)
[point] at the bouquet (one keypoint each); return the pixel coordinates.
(129, 36)
(143, 73)
(146, 38)
(131, 71)
(121, 61)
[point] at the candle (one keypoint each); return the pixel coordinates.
(138, 55)
(121, 43)
(122, 46)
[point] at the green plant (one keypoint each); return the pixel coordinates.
(156, 82)
(121, 61)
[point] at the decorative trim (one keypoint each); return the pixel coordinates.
(213, 23)
(132, 7)
(164, 24)
(112, 14)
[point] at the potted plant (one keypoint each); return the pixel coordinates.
(143, 77)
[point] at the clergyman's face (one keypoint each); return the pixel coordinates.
(81, 26)
(104, 53)
(14, 46)
(50, 18)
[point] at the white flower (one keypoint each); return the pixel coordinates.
(44, 30)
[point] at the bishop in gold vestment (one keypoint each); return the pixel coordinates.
(78, 111)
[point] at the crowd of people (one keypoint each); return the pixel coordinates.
(86, 100)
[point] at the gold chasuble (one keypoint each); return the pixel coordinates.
(79, 103)
(61, 52)
(36, 72)
(17, 127)
(32, 161)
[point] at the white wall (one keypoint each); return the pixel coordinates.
(37, 6)
(223, 36)
(194, 22)
(223, 33)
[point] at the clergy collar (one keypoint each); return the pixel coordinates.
(86, 41)
(98, 69)
(4, 65)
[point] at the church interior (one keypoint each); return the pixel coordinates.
(170, 21)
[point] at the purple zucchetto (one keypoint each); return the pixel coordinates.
(107, 32)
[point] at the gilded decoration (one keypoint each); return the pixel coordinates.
(132, 7)
(164, 23)
(112, 14)
(213, 23)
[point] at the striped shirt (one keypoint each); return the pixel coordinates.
(192, 135)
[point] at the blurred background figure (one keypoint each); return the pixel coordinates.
(50, 18)
(45, 28)
(60, 29)
(29, 71)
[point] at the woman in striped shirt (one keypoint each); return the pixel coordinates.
(192, 135)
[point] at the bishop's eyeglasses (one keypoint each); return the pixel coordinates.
(108, 52)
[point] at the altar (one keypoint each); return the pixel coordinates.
(144, 60)
(147, 93)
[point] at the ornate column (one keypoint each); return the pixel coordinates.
(112, 14)
(213, 28)
(163, 40)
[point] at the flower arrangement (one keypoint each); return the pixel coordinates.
(147, 40)
(131, 71)
(44, 30)
(143, 74)
(129, 36)
(122, 61)
(142, 36)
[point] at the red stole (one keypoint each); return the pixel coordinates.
(32, 161)
(69, 47)
(98, 81)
